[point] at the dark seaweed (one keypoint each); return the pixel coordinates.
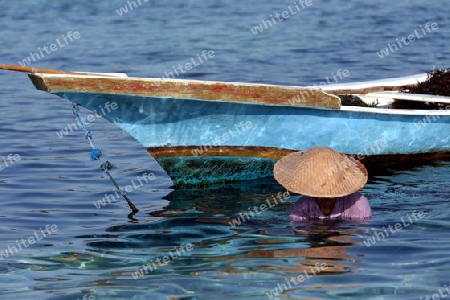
(437, 83)
(352, 100)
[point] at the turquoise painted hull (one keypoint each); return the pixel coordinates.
(204, 170)
(156, 122)
(207, 125)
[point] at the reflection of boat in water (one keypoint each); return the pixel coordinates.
(262, 252)
(322, 242)
(231, 199)
(262, 246)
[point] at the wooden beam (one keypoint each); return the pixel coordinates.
(33, 70)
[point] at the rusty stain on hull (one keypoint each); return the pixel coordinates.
(278, 153)
(231, 163)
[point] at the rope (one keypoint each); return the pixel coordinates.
(96, 154)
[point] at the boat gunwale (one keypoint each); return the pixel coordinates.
(354, 109)
(401, 112)
(339, 86)
(275, 95)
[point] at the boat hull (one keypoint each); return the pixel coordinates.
(200, 142)
(157, 122)
(215, 132)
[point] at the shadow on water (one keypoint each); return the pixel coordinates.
(392, 169)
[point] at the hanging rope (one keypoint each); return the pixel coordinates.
(96, 154)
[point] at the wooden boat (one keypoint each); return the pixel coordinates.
(204, 132)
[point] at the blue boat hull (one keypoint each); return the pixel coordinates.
(200, 142)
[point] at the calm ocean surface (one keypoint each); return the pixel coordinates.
(92, 253)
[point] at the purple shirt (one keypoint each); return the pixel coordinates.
(353, 206)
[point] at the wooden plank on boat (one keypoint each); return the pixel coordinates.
(49, 71)
(54, 81)
(379, 85)
(189, 89)
(365, 90)
(410, 97)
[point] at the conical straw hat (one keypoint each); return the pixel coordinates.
(320, 172)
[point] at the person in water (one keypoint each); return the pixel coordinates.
(329, 182)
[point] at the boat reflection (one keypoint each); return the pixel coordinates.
(267, 242)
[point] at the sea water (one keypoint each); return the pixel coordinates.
(183, 243)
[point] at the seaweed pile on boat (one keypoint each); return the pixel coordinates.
(352, 100)
(437, 83)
